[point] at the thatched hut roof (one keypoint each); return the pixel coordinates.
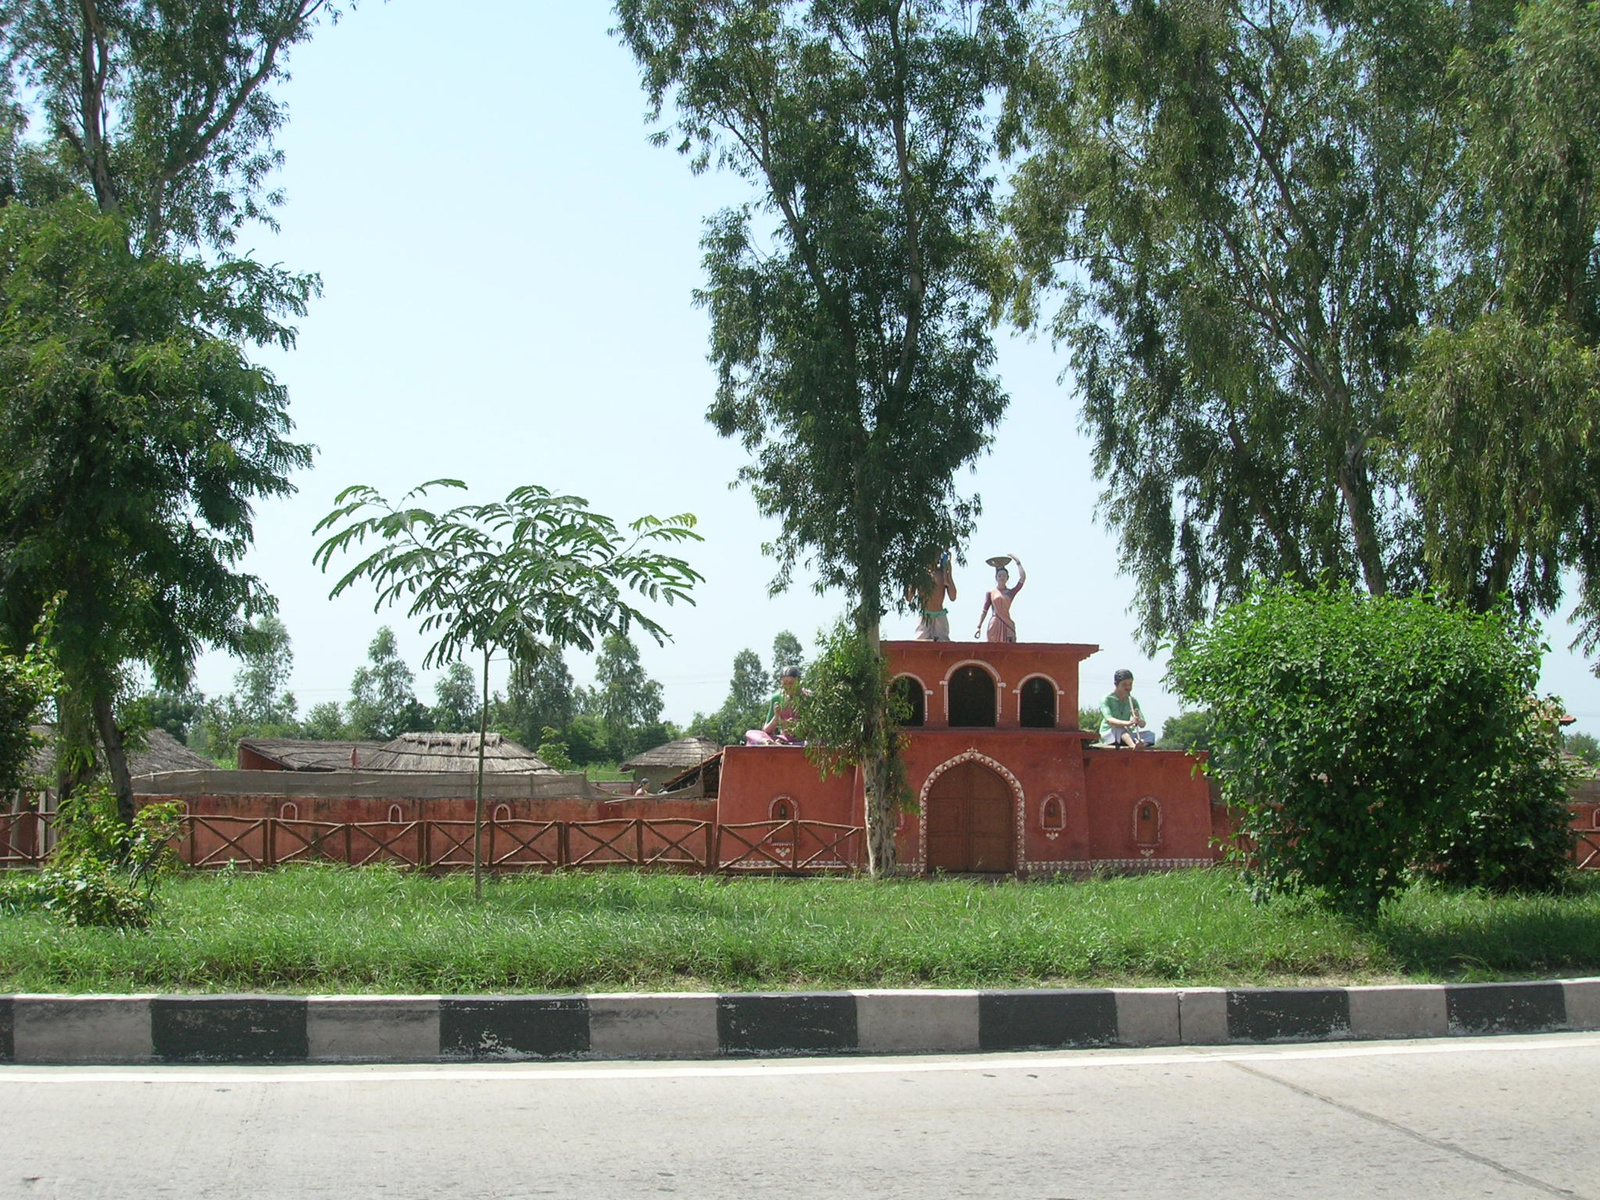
(455, 752)
(299, 754)
(685, 752)
(160, 751)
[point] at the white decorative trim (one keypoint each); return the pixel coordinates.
(1083, 866)
(1020, 822)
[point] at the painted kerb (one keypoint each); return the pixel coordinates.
(93, 1030)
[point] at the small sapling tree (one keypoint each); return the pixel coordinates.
(530, 574)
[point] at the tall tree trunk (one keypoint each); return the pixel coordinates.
(877, 772)
(1355, 484)
(477, 807)
(116, 754)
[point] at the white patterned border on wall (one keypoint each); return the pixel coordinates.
(1091, 865)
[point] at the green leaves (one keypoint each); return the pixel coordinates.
(1364, 739)
(535, 570)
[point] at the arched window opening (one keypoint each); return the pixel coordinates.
(1038, 704)
(502, 812)
(1052, 814)
(909, 691)
(783, 809)
(396, 817)
(972, 698)
(289, 811)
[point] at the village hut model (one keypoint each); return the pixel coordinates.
(1003, 783)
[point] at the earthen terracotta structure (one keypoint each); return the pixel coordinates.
(1003, 778)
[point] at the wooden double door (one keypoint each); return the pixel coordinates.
(971, 815)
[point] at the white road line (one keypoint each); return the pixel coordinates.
(305, 1074)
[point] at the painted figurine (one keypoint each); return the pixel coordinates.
(933, 612)
(1002, 628)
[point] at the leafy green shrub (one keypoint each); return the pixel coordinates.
(25, 684)
(1364, 738)
(20, 890)
(104, 872)
(88, 894)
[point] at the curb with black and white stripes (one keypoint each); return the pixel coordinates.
(103, 1030)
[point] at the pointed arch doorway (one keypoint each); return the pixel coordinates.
(971, 814)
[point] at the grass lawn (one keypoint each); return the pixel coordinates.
(334, 929)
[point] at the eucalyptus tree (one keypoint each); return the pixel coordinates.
(161, 112)
(1242, 208)
(137, 140)
(1501, 413)
(534, 573)
(847, 297)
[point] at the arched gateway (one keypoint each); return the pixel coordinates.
(971, 815)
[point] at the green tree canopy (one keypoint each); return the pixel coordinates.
(847, 301)
(455, 693)
(135, 438)
(539, 696)
(629, 699)
(1327, 278)
(383, 699)
(161, 112)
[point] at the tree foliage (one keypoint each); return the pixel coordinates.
(848, 679)
(1500, 414)
(161, 112)
(539, 695)
(135, 438)
(456, 702)
(26, 683)
(383, 698)
(847, 302)
(1364, 738)
(532, 573)
(630, 701)
(1327, 280)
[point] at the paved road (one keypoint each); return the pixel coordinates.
(1449, 1118)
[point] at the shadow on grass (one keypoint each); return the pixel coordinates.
(1470, 936)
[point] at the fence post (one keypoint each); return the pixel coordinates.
(269, 844)
(563, 851)
(638, 841)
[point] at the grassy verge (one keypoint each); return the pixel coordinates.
(330, 929)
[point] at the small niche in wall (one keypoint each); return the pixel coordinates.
(289, 811)
(1052, 813)
(1146, 822)
(396, 817)
(783, 809)
(1038, 704)
(502, 812)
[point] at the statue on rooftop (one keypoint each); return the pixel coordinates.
(1002, 628)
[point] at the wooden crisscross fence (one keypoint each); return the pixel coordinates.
(681, 844)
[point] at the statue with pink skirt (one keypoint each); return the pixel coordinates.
(998, 602)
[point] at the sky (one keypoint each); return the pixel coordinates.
(508, 270)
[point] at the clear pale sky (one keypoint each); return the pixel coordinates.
(508, 268)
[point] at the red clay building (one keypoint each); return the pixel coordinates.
(1003, 778)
